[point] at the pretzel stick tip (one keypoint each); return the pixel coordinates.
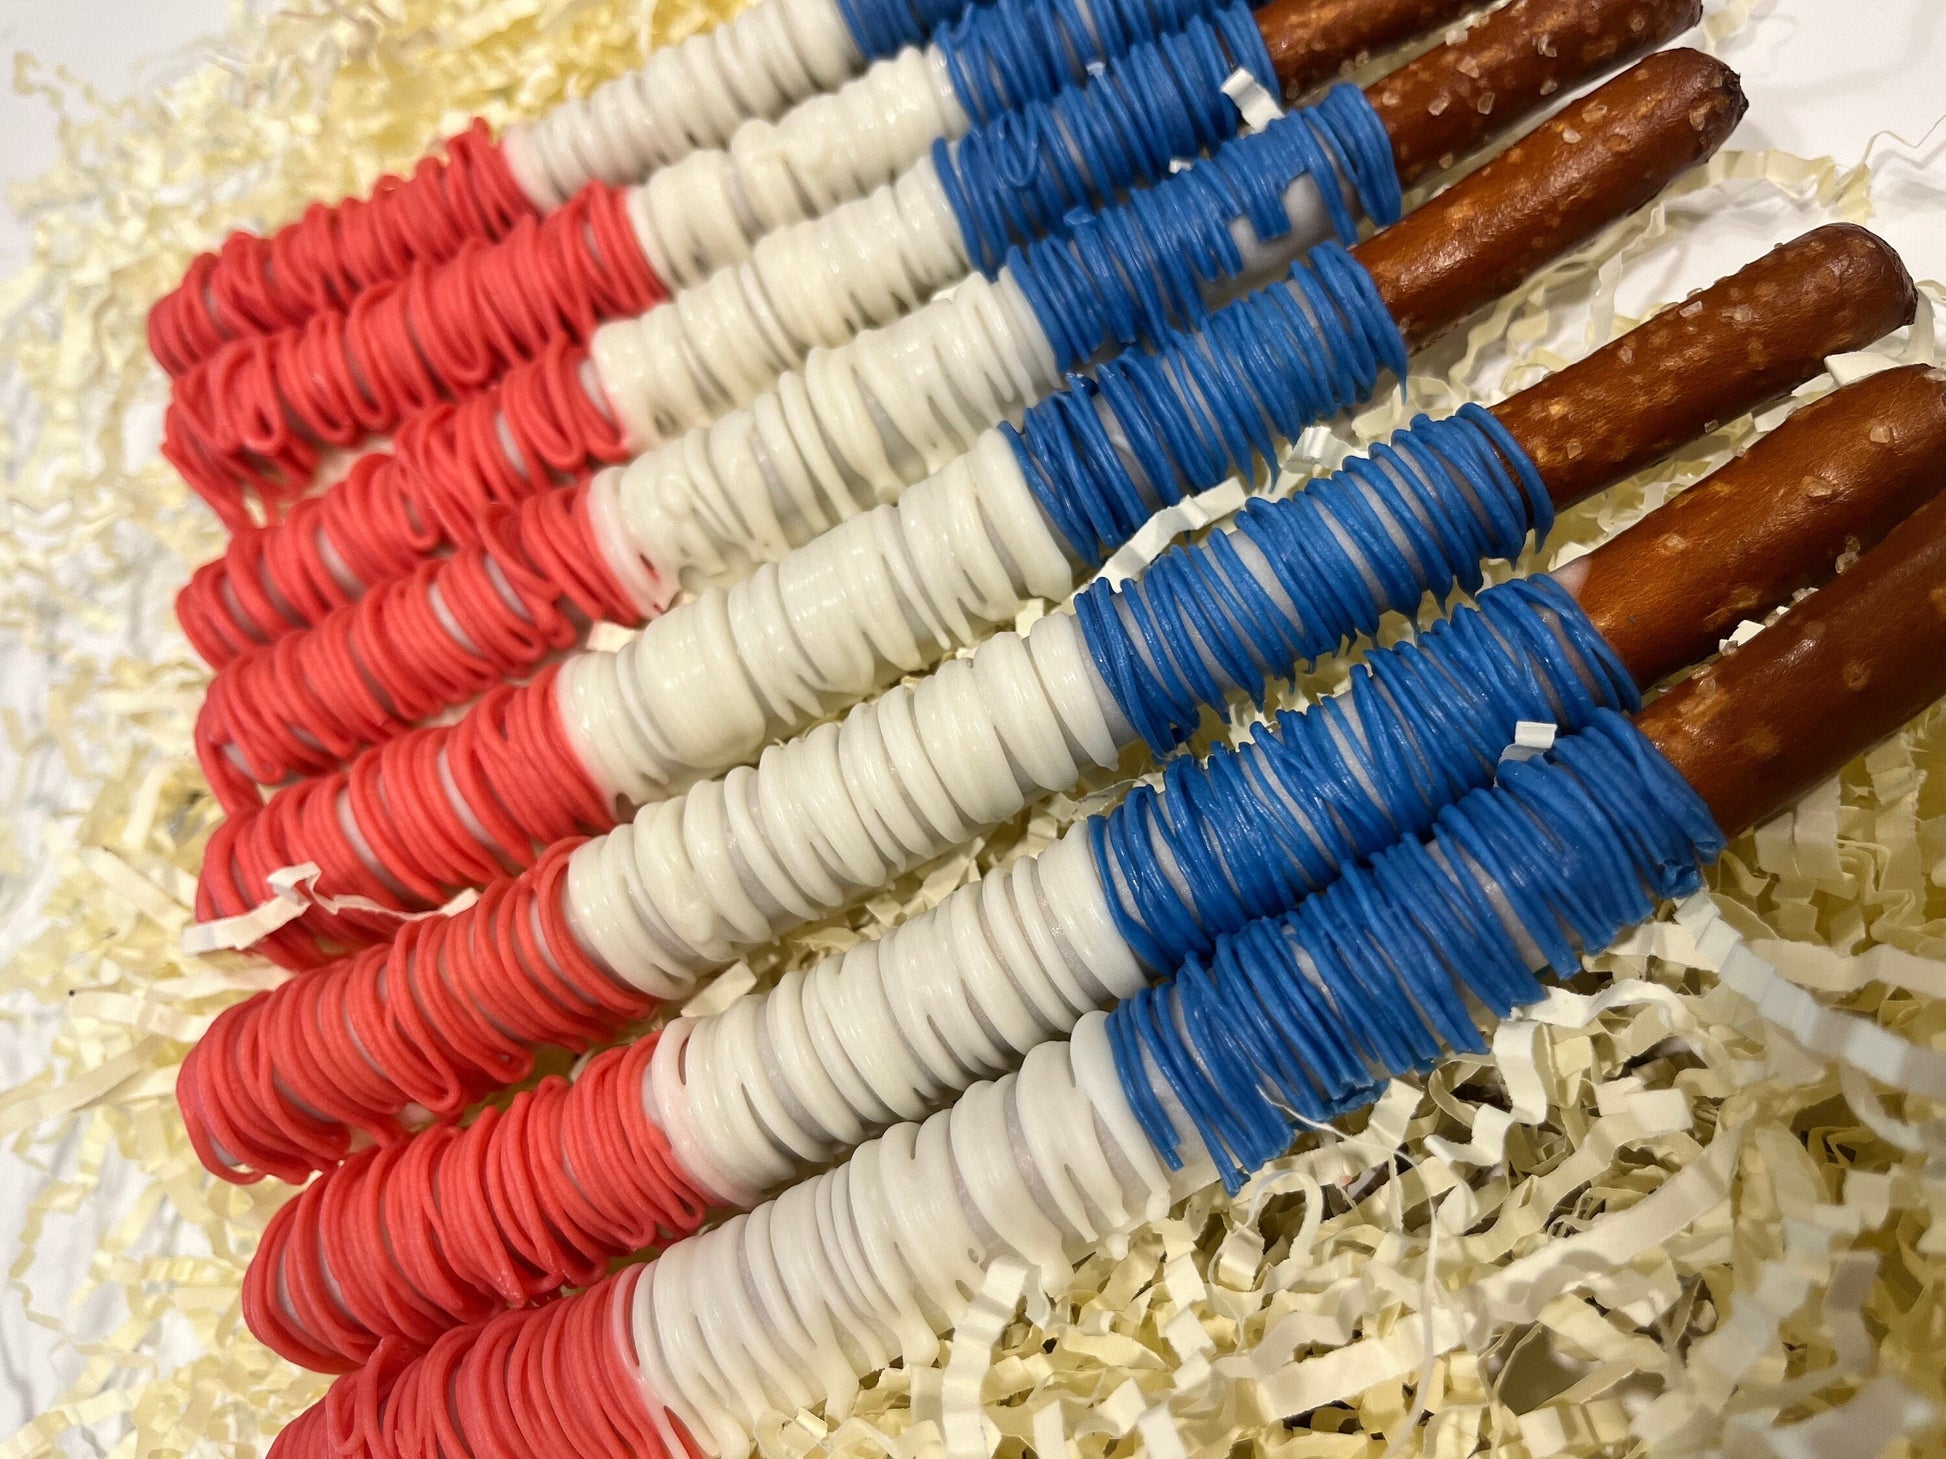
(1844, 669)
(1599, 159)
(1443, 105)
(1834, 478)
(1744, 340)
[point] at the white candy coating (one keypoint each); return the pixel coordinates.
(787, 1080)
(720, 344)
(860, 421)
(704, 212)
(790, 1305)
(693, 882)
(684, 97)
(881, 595)
(1310, 225)
(850, 431)
(731, 329)
(792, 1078)
(891, 1029)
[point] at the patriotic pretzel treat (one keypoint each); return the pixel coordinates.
(390, 827)
(725, 1107)
(308, 701)
(705, 351)
(816, 285)
(254, 416)
(552, 178)
(280, 1083)
(1292, 1021)
(1132, 274)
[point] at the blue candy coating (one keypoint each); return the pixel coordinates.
(1303, 1017)
(1018, 177)
(1206, 405)
(1420, 513)
(883, 27)
(1005, 54)
(1254, 829)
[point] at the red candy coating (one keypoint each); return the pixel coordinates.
(262, 285)
(456, 1225)
(453, 1008)
(438, 809)
(256, 415)
(546, 1380)
(392, 512)
(417, 645)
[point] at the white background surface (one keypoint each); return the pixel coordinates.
(1825, 78)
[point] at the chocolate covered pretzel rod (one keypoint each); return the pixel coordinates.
(586, 941)
(722, 341)
(900, 593)
(1289, 1022)
(722, 1108)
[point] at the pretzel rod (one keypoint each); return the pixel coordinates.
(1444, 105)
(817, 283)
(1756, 334)
(1311, 41)
(555, 173)
(830, 148)
(1789, 709)
(1605, 156)
(253, 418)
(698, 94)
(432, 641)
(1774, 521)
(1760, 529)
(454, 781)
(1289, 1021)
(647, 910)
